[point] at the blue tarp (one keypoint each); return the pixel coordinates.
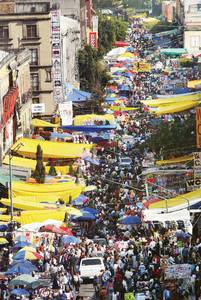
(89, 128)
(60, 135)
(79, 96)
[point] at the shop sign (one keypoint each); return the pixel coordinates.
(197, 164)
(66, 112)
(56, 57)
(38, 108)
(198, 126)
(93, 39)
(193, 184)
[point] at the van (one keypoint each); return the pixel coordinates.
(91, 266)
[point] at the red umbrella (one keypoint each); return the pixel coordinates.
(66, 230)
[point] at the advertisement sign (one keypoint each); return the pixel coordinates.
(66, 112)
(56, 57)
(95, 24)
(93, 39)
(197, 164)
(193, 184)
(198, 126)
(181, 271)
(38, 108)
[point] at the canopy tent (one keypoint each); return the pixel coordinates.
(89, 128)
(172, 100)
(176, 107)
(175, 160)
(28, 217)
(17, 161)
(173, 51)
(160, 97)
(194, 84)
(84, 119)
(179, 202)
(24, 203)
(79, 96)
(116, 51)
(47, 192)
(166, 33)
(28, 148)
(41, 123)
(151, 215)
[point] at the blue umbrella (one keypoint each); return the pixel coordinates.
(85, 217)
(68, 239)
(89, 210)
(3, 227)
(20, 292)
(130, 220)
(22, 244)
(22, 267)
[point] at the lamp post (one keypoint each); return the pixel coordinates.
(10, 178)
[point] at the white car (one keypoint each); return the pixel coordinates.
(91, 266)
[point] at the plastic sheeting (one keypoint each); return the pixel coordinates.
(28, 217)
(84, 119)
(41, 123)
(21, 162)
(47, 192)
(28, 148)
(179, 202)
(151, 215)
(176, 160)
(176, 107)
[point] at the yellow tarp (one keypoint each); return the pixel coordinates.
(167, 101)
(28, 217)
(193, 83)
(179, 200)
(82, 119)
(176, 107)
(23, 203)
(47, 192)
(21, 162)
(41, 123)
(31, 164)
(119, 108)
(28, 148)
(175, 160)
(7, 218)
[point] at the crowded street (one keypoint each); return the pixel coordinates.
(115, 225)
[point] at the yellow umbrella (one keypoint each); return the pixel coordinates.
(3, 241)
(28, 248)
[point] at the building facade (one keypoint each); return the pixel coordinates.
(15, 97)
(192, 26)
(29, 27)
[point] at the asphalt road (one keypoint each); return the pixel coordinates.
(87, 291)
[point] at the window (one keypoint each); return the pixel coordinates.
(48, 74)
(4, 32)
(35, 100)
(199, 7)
(35, 81)
(195, 41)
(34, 56)
(31, 31)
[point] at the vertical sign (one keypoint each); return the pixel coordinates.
(56, 57)
(66, 113)
(93, 39)
(95, 24)
(198, 126)
(197, 164)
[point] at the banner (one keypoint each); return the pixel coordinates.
(66, 113)
(181, 271)
(198, 126)
(56, 57)
(38, 108)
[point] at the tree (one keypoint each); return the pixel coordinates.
(39, 173)
(93, 73)
(110, 30)
(173, 139)
(52, 171)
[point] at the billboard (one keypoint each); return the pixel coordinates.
(66, 112)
